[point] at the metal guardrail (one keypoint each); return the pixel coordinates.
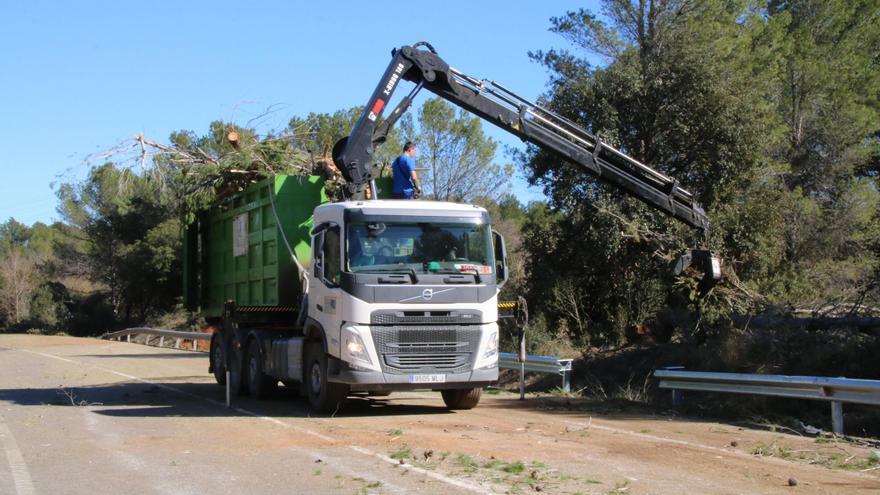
(162, 334)
(834, 390)
(540, 364)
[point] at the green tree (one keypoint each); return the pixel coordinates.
(508, 216)
(768, 111)
(29, 273)
(826, 93)
(828, 89)
(318, 131)
(457, 157)
(681, 90)
(13, 234)
(132, 238)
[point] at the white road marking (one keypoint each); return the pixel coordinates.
(437, 476)
(593, 426)
(361, 450)
(108, 440)
(21, 478)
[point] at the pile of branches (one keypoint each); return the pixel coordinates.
(197, 172)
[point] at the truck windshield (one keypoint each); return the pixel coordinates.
(419, 247)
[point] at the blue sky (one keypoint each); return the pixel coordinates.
(78, 77)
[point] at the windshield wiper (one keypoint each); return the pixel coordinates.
(476, 274)
(477, 278)
(407, 270)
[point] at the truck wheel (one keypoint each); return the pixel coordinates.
(237, 382)
(466, 398)
(323, 396)
(260, 384)
(218, 361)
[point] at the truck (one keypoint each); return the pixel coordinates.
(371, 295)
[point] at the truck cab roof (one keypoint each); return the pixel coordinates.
(402, 208)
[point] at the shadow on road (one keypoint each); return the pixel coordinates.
(191, 399)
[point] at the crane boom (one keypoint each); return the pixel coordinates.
(507, 110)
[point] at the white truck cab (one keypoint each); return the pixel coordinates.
(405, 293)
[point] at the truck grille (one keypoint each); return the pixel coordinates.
(426, 349)
(415, 362)
(385, 317)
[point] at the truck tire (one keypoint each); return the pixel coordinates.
(218, 360)
(466, 398)
(324, 397)
(260, 384)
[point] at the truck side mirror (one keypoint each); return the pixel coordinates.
(501, 269)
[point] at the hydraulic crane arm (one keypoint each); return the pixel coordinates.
(516, 115)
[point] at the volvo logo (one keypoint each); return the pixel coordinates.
(426, 295)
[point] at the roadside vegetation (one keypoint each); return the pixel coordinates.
(768, 110)
(517, 476)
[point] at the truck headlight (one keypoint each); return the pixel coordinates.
(491, 345)
(355, 348)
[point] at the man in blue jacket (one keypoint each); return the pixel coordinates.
(406, 181)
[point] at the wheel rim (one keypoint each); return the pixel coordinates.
(316, 378)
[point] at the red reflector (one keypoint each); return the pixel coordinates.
(378, 106)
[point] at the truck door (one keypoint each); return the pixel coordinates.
(324, 291)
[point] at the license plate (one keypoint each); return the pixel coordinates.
(427, 378)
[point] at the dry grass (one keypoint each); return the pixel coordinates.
(634, 390)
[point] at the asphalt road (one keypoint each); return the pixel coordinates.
(90, 416)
